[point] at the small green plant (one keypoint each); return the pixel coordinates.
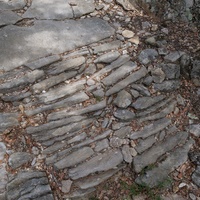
(98, 98)
(151, 193)
(93, 198)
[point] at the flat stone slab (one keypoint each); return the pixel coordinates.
(29, 185)
(102, 162)
(12, 5)
(8, 17)
(21, 45)
(158, 174)
(7, 120)
(59, 9)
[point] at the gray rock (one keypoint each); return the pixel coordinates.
(42, 62)
(160, 173)
(151, 41)
(123, 99)
(18, 159)
(60, 38)
(108, 57)
(173, 197)
(127, 154)
(116, 142)
(117, 63)
(127, 33)
(194, 129)
(185, 64)
(52, 81)
(148, 80)
(158, 75)
(91, 69)
(69, 101)
(95, 180)
(66, 186)
(62, 91)
(195, 73)
(151, 156)
(124, 115)
(99, 93)
(194, 157)
(90, 108)
(119, 73)
(8, 17)
(151, 129)
(135, 93)
(102, 162)
(8, 120)
(196, 176)
(141, 89)
(80, 194)
(123, 132)
(29, 185)
(58, 9)
(28, 78)
(69, 64)
(107, 46)
(162, 51)
(172, 71)
(173, 56)
(103, 144)
(147, 55)
(127, 4)
(74, 158)
(82, 7)
(155, 108)
(162, 113)
(145, 144)
(53, 124)
(130, 79)
(4, 180)
(167, 86)
(2, 150)
(12, 5)
(145, 102)
(77, 138)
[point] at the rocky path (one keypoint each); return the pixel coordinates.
(81, 100)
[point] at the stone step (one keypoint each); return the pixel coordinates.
(8, 120)
(66, 65)
(65, 113)
(119, 73)
(67, 102)
(28, 78)
(42, 62)
(74, 158)
(29, 185)
(160, 173)
(154, 108)
(94, 180)
(162, 113)
(52, 81)
(53, 125)
(135, 76)
(102, 162)
(58, 155)
(151, 155)
(151, 129)
(146, 102)
(58, 137)
(62, 91)
(117, 63)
